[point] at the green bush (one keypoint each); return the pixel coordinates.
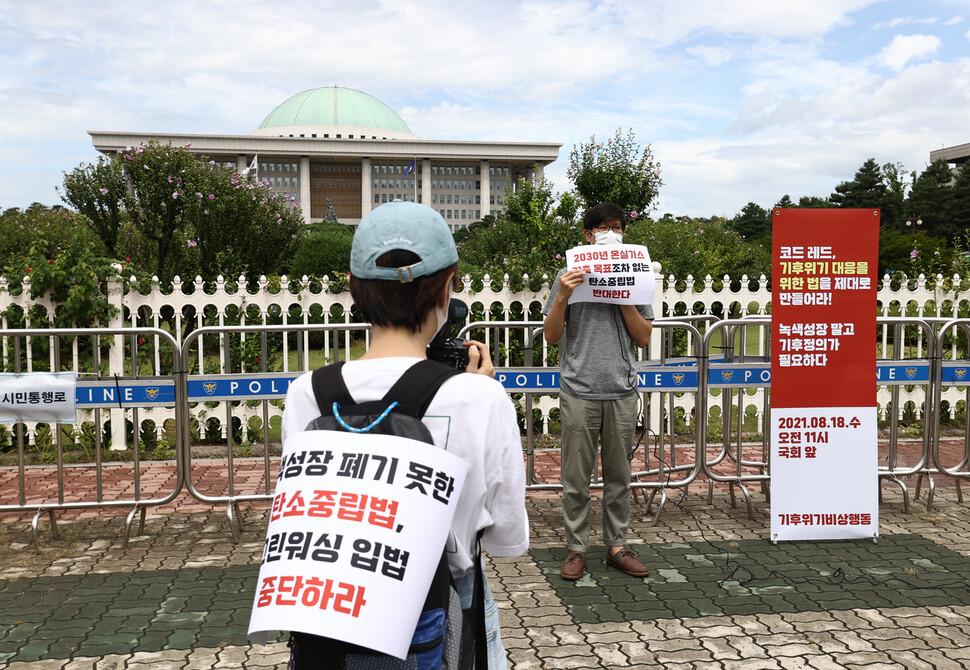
(322, 253)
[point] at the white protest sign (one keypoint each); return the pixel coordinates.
(616, 273)
(38, 396)
(355, 536)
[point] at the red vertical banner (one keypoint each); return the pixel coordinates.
(824, 458)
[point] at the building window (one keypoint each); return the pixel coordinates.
(449, 214)
(286, 182)
(383, 197)
(478, 199)
(296, 182)
(377, 198)
(491, 199)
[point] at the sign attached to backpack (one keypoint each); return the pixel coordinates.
(355, 534)
(621, 274)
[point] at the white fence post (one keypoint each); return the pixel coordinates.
(116, 360)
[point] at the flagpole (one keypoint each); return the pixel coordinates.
(414, 161)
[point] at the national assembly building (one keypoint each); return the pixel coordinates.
(343, 152)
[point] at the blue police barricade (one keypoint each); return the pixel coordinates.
(952, 372)
(732, 371)
(673, 376)
(240, 380)
(139, 384)
(902, 373)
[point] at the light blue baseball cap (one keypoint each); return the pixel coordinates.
(402, 225)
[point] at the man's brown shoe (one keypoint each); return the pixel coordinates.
(573, 568)
(626, 561)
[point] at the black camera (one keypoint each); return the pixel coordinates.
(446, 347)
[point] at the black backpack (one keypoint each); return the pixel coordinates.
(462, 645)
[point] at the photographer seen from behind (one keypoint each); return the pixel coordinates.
(403, 266)
(597, 401)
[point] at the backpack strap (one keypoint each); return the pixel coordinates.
(415, 389)
(329, 387)
(478, 606)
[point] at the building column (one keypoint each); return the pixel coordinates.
(486, 189)
(305, 187)
(242, 162)
(537, 172)
(366, 194)
(426, 182)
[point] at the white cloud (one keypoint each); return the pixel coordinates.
(905, 48)
(712, 55)
(742, 101)
(909, 20)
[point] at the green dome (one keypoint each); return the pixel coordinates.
(335, 107)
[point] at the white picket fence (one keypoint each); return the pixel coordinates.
(304, 302)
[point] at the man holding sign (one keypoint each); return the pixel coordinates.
(403, 265)
(597, 333)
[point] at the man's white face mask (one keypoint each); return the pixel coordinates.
(608, 237)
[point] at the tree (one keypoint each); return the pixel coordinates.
(785, 203)
(960, 204)
(529, 236)
(894, 175)
(866, 190)
(698, 247)
(621, 172)
(175, 214)
(98, 191)
(930, 200)
(814, 202)
(64, 260)
(753, 222)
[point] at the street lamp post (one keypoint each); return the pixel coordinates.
(914, 221)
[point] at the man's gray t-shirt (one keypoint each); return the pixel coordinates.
(596, 352)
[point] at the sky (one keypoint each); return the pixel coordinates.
(741, 101)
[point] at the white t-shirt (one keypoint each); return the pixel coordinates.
(471, 416)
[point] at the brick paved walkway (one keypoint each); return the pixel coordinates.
(719, 594)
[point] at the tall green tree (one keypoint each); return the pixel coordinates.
(98, 191)
(866, 190)
(930, 200)
(895, 177)
(618, 171)
(753, 222)
(960, 204)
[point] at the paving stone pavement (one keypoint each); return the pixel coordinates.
(719, 594)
